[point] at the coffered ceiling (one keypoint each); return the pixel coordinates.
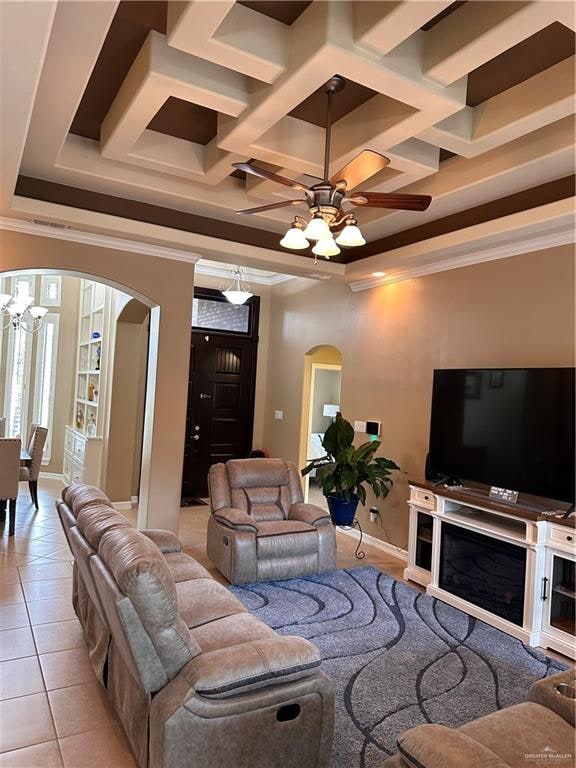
(137, 110)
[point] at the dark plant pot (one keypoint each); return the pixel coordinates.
(342, 512)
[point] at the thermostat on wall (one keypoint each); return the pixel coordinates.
(373, 427)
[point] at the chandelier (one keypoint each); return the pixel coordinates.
(237, 292)
(325, 201)
(16, 311)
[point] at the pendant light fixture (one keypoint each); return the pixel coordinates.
(237, 292)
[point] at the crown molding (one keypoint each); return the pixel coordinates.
(551, 240)
(249, 276)
(60, 232)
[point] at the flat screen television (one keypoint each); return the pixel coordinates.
(508, 427)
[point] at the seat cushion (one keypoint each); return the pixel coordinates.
(182, 567)
(522, 730)
(231, 630)
(286, 538)
(204, 600)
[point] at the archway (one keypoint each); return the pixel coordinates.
(166, 288)
(320, 400)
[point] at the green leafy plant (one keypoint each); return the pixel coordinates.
(346, 470)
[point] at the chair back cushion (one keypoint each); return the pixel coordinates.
(9, 467)
(36, 451)
(31, 433)
(142, 575)
(264, 488)
(77, 496)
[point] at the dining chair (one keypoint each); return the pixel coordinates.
(9, 476)
(31, 472)
(31, 432)
(2, 426)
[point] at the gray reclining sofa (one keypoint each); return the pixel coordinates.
(195, 678)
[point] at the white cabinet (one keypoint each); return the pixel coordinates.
(558, 595)
(455, 539)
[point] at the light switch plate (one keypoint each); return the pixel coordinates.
(359, 426)
(279, 415)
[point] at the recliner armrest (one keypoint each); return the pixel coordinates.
(435, 746)
(235, 518)
(544, 692)
(309, 513)
(252, 665)
(166, 541)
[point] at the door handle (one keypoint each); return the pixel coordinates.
(543, 595)
(204, 396)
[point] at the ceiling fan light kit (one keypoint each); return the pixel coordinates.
(295, 237)
(325, 200)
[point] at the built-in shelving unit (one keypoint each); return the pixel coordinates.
(84, 436)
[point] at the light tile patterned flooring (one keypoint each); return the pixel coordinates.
(53, 712)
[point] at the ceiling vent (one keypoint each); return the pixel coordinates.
(51, 224)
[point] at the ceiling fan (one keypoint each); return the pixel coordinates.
(325, 200)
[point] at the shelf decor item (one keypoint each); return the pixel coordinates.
(345, 471)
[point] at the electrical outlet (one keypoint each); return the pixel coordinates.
(360, 426)
(279, 415)
(374, 512)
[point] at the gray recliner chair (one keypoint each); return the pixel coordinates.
(260, 528)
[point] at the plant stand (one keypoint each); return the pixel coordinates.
(359, 554)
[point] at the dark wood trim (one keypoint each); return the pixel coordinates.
(74, 197)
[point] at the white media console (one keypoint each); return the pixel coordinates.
(464, 548)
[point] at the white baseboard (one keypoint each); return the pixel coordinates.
(53, 476)
(121, 506)
(385, 546)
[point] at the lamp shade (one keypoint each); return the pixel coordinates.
(330, 410)
(38, 312)
(5, 298)
(317, 228)
(295, 238)
(350, 236)
(237, 292)
(326, 247)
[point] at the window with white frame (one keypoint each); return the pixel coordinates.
(45, 379)
(17, 382)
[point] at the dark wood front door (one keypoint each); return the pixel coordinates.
(220, 413)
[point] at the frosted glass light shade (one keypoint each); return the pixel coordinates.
(237, 297)
(350, 236)
(38, 312)
(4, 299)
(317, 229)
(294, 239)
(326, 247)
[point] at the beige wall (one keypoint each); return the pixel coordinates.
(513, 312)
(66, 361)
(166, 286)
(264, 292)
(126, 417)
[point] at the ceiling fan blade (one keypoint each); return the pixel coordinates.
(383, 200)
(255, 171)
(364, 165)
(269, 207)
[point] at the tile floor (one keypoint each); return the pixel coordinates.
(53, 712)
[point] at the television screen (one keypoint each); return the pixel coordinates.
(509, 427)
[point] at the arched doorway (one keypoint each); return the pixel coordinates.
(320, 403)
(165, 286)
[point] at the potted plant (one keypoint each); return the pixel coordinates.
(345, 471)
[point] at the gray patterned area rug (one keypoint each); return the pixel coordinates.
(398, 658)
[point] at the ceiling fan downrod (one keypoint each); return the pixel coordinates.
(334, 85)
